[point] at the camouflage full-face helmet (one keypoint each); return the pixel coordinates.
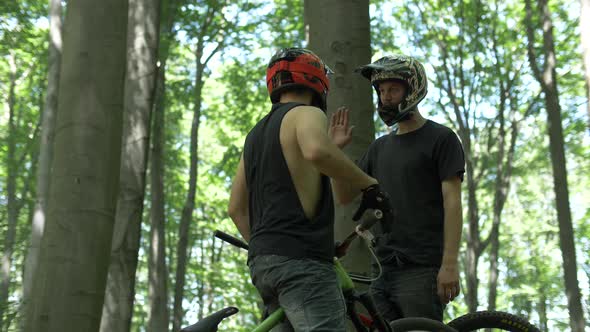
(296, 68)
(400, 68)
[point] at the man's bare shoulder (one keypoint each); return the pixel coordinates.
(308, 112)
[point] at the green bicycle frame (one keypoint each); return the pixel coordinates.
(271, 321)
(278, 315)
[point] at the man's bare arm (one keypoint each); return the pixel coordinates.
(238, 209)
(448, 276)
(340, 133)
(319, 149)
(343, 192)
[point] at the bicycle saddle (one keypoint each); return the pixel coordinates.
(209, 323)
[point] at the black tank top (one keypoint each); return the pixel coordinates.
(278, 225)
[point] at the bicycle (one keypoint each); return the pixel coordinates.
(362, 323)
(475, 321)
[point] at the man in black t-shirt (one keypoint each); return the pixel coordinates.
(420, 165)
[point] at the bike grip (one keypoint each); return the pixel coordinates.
(369, 219)
(230, 239)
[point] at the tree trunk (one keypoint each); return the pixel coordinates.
(46, 148)
(69, 286)
(473, 240)
(450, 78)
(201, 284)
(560, 185)
(210, 32)
(501, 186)
(11, 175)
(339, 33)
(585, 36)
(566, 232)
(143, 36)
(547, 79)
(157, 269)
(189, 204)
(501, 193)
(498, 202)
(543, 321)
(475, 245)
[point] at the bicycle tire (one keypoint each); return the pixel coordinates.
(419, 324)
(492, 320)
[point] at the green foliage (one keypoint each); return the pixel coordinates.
(285, 23)
(23, 70)
(479, 44)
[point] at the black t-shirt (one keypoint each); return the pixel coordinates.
(410, 168)
(278, 224)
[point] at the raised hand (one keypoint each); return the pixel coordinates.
(340, 132)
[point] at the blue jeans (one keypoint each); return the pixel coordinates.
(407, 291)
(306, 289)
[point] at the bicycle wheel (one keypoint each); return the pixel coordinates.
(419, 324)
(495, 320)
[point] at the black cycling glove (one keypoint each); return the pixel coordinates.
(373, 198)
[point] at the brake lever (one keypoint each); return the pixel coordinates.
(361, 230)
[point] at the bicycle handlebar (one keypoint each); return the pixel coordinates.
(366, 223)
(368, 220)
(231, 239)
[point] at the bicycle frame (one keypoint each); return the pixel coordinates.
(345, 281)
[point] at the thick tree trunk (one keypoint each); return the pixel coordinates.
(46, 148)
(157, 269)
(339, 32)
(547, 78)
(12, 207)
(585, 36)
(69, 286)
(142, 49)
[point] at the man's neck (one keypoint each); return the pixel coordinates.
(289, 97)
(414, 122)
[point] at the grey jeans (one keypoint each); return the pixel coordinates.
(306, 289)
(407, 291)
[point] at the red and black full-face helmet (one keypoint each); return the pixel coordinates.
(296, 68)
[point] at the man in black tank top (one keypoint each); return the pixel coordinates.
(420, 166)
(281, 198)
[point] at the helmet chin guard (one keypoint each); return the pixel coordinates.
(391, 114)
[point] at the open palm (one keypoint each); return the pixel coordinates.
(340, 132)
